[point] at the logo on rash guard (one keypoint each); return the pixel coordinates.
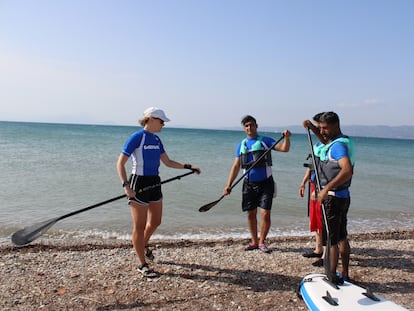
(151, 147)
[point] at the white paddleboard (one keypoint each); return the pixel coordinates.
(319, 294)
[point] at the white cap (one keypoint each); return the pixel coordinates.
(156, 113)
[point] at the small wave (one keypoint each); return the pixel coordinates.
(356, 225)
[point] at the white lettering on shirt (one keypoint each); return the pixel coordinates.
(151, 147)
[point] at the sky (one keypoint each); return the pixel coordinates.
(207, 63)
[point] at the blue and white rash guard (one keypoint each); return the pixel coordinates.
(145, 149)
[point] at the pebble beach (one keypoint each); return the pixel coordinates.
(194, 274)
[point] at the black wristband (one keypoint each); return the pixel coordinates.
(187, 166)
(125, 183)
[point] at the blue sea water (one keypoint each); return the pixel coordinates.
(48, 170)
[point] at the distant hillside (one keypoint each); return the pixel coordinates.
(380, 131)
(383, 131)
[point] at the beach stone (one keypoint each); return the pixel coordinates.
(195, 275)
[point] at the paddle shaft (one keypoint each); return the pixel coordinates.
(123, 196)
(208, 206)
(257, 161)
(327, 262)
(309, 197)
(28, 234)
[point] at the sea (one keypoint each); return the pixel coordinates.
(50, 170)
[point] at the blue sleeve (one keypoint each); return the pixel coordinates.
(339, 150)
(238, 150)
(132, 143)
(162, 150)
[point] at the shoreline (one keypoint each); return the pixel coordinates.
(195, 274)
(86, 243)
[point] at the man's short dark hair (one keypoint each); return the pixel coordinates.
(317, 116)
(329, 117)
(248, 118)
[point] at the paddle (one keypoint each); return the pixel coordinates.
(29, 234)
(326, 260)
(208, 206)
(309, 197)
(309, 184)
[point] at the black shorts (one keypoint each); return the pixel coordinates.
(336, 213)
(258, 194)
(144, 193)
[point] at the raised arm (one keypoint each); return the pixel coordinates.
(285, 145)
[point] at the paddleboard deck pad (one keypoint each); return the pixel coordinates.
(320, 294)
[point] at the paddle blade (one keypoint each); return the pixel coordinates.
(29, 234)
(208, 206)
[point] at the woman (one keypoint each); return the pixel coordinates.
(146, 151)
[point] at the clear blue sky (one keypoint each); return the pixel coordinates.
(207, 63)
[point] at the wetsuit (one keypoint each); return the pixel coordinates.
(144, 149)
